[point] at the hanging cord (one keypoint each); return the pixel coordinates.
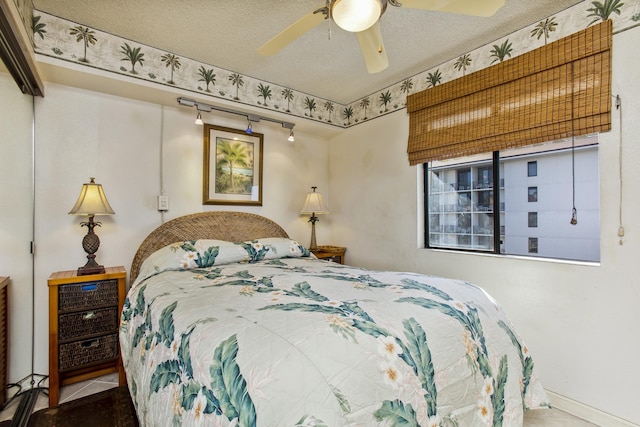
(161, 153)
(33, 233)
(329, 17)
(620, 227)
(574, 212)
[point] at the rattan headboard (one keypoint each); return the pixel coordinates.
(230, 226)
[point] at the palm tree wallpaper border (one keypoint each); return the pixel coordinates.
(72, 42)
(232, 172)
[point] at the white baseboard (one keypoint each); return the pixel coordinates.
(586, 412)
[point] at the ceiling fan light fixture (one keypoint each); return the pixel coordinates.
(356, 15)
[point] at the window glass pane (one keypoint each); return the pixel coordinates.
(550, 195)
(461, 204)
(533, 211)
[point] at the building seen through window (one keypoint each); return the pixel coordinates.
(517, 202)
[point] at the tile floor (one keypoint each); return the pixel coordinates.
(538, 418)
(67, 393)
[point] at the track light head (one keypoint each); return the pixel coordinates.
(288, 125)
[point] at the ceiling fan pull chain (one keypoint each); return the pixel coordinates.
(328, 16)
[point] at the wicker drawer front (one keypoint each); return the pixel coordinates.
(85, 295)
(90, 322)
(79, 353)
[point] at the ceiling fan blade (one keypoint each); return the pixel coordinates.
(465, 7)
(373, 51)
(292, 32)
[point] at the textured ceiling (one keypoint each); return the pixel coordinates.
(226, 34)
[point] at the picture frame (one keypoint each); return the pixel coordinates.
(232, 169)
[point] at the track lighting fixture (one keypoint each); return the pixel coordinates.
(251, 118)
(290, 127)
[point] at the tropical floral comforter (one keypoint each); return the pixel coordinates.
(261, 333)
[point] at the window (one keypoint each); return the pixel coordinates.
(485, 177)
(484, 202)
(532, 168)
(464, 179)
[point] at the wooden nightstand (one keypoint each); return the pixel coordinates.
(330, 253)
(84, 316)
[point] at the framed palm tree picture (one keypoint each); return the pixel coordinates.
(232, 166)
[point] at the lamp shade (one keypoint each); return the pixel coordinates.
(314, 204)
(199, 119)
(356, 15)
(92, 201)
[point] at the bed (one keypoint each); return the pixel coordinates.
(229, 322)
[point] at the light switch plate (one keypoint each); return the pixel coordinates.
(163, 203)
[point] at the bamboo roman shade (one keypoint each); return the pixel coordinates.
(553, 92)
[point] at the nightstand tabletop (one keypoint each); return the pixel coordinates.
(70, 276)
(331, 253)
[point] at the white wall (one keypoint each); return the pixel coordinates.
(81, 134)
(579, 321)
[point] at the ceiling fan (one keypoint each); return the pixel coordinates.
(363, 18)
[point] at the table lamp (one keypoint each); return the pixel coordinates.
(91, 202)
(314, 205)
